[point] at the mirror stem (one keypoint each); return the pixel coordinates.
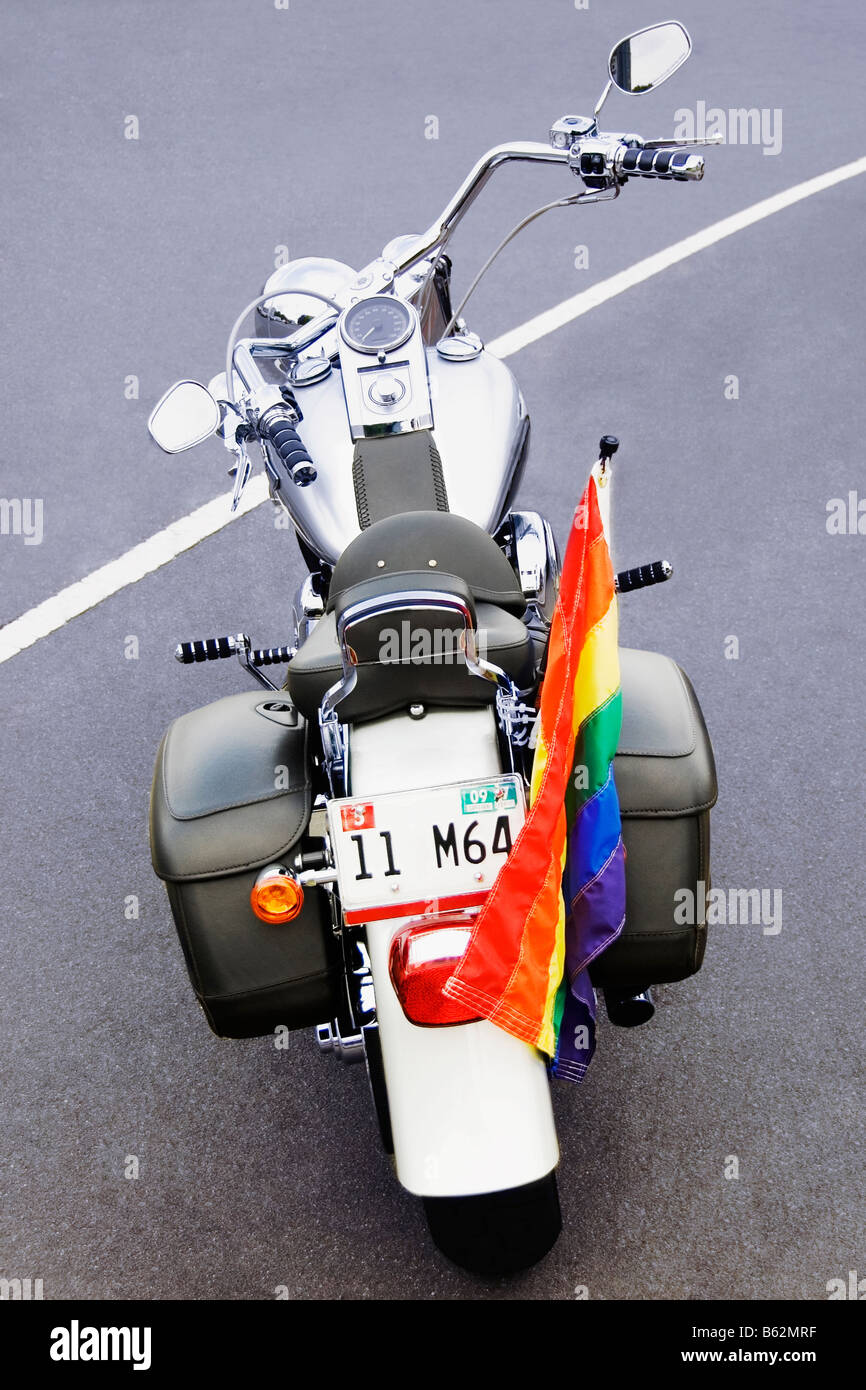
(602, 99)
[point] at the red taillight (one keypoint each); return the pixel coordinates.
(423, 956)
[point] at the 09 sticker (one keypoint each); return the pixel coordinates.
(492, 796)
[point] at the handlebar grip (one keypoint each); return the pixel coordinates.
(208, 649)
(642, 576)
(279, 429)
(660, 164)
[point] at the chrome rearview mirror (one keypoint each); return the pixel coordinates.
(186, 415)
(647, 58)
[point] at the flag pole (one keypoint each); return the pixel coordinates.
(603, 474)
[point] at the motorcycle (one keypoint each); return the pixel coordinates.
(326, 839)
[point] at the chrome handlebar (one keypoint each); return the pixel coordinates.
(608, 149)
(602, 162)
(437, 234)
(607, 175)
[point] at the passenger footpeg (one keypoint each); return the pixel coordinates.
(219, 648)
(643, 576)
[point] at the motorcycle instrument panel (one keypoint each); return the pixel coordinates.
(378, 324)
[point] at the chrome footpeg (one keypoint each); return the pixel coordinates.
(642, 576)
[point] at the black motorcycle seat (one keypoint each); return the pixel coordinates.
(397, 473)
(441, 542)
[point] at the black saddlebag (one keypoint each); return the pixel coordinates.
(666, 780)
(231, 793)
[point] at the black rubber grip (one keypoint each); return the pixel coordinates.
(279, 430)
(271, 656)
(656, 164)
(642, 576)
(208, 649)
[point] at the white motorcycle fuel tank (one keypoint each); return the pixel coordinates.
(480, 421)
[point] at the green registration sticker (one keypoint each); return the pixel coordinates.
(492, 796)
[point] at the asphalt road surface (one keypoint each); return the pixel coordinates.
(258, 128)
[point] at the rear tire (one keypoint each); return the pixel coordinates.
(497, 1233)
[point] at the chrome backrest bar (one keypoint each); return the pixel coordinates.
(418, 600)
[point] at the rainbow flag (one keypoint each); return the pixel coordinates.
(559, 899)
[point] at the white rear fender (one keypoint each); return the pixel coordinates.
(470, 1105)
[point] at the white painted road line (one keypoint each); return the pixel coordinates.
(571, 309)
(142, 559)
(205, 521)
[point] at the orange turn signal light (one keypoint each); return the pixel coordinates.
(276, 896)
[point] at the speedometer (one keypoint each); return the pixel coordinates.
(377, 324)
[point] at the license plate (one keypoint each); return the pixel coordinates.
(433, 850)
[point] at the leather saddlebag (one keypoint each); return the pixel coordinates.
(231, 793)
(666, 780)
